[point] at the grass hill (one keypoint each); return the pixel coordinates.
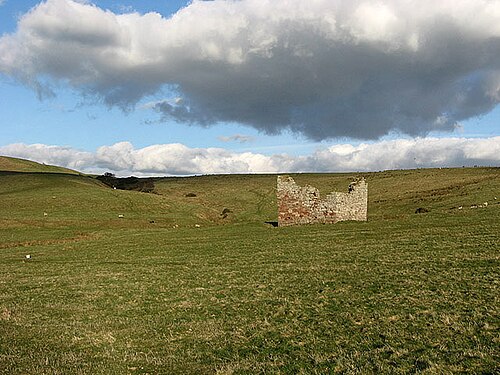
(8, 164)
(244, 198)
(121, 281)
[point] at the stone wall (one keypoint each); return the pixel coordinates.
(303, 205)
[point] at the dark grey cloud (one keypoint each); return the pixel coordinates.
(328, 68)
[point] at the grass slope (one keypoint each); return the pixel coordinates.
(21, 165)
(401, 293)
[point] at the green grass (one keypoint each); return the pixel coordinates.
(22, 165)
(401, 293)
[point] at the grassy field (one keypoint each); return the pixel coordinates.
(176, 287)
(21, 165)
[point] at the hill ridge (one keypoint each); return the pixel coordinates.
(12, 164)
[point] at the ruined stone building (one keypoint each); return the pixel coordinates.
(303, 205)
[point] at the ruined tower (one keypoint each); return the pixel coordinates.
(303, 205)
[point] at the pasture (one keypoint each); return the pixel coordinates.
(174, 286)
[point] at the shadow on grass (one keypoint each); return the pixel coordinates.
(273, 223)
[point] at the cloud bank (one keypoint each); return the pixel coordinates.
(177, 159)
(323, 68)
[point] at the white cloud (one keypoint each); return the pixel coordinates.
(177, 159)
(323, 68)
(54, 155)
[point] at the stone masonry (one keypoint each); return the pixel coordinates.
(303, 205)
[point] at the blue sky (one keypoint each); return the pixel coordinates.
(292, 115)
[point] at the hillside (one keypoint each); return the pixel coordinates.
(233, 199)
(34, 202)
(9, 164)
(123, 281)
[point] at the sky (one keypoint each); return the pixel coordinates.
(170, 87)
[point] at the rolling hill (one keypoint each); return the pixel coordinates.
(123, 281)
(9, 164)
(67, 195)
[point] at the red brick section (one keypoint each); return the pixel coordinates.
(303, 205)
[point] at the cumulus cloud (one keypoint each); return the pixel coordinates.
(54, 155)
(177, 159)
(323, 68)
